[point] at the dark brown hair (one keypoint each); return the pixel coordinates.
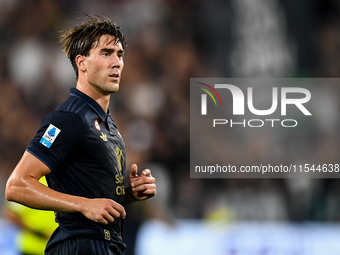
(81, 39)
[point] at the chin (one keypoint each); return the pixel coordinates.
(114, 89)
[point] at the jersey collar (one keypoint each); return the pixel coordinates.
(90, 102)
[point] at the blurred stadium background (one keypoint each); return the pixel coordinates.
(168, 42)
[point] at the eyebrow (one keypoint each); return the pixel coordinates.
(111, 50)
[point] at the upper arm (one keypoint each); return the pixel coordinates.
(30, 166)
(27, 170)
(57, 138)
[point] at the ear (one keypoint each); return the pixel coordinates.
(81, 63)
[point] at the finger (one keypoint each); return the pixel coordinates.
(108, 217)
(99, 218)
(142, 181)
(143, 195)
(144, 187)
(134, 170)
(150, 192)
(120, 209)
(102, 221)
(146, 172)
(114, 213)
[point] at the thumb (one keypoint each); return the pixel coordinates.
(134, 170)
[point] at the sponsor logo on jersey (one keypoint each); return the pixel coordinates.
(50, 135)
(120, 158)
(120, 190)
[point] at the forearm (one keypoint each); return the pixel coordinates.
(30, 192)
(23, 187)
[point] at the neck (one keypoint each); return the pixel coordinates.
(102, 99)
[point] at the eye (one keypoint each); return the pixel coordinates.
(106, 53)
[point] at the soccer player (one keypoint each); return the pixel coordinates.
(80, 151)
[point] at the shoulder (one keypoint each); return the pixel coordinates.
(66, 120)
(75, 106)
(72, 105)
(63, 123)
(72, 110)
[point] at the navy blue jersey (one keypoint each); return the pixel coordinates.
(81, 145)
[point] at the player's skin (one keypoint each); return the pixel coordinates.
(99, 76)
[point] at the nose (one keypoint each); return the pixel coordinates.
(116, 61)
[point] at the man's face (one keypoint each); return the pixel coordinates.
(104, 65)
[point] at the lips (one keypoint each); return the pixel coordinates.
(114, 76)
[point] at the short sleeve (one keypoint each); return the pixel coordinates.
(57, 138)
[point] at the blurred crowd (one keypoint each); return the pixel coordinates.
(169, 42)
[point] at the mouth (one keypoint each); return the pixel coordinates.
(114, 76)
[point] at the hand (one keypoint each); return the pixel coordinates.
(142, 186)
(102, 210)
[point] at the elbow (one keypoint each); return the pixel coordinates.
(9, 196)
(11, 190)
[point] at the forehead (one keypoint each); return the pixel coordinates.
(107, 41)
